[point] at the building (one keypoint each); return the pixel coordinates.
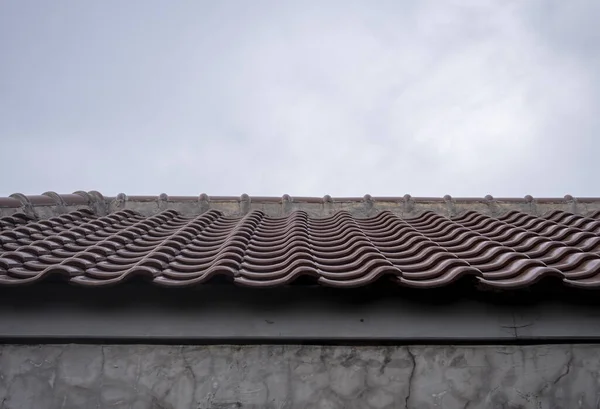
(225, 302)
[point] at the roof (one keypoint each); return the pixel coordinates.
(92, 240)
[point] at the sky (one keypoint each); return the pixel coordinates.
(307, 98)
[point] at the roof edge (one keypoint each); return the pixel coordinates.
(51, 204)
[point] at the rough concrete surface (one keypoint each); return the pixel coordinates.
(277, 377)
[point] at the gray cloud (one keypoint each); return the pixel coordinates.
(305, 98)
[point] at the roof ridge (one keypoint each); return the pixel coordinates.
(50, 203)
(82, 197)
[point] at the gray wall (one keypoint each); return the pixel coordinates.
(420, 377)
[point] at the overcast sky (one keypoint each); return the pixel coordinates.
(465, 97)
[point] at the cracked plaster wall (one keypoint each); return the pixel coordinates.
(278, 377)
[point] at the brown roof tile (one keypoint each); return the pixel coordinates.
(263, 242)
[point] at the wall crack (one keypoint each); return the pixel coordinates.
(567, 370)
(410, 377)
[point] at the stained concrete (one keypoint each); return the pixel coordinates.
(277, 377)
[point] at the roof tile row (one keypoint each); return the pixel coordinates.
(513, 250)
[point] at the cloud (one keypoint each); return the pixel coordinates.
(343, 98)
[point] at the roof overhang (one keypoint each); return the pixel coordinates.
(139, 313)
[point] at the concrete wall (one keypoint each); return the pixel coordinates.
(420, 377)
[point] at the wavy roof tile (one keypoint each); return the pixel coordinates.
(91, 240)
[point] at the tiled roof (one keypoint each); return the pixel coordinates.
(91, 240)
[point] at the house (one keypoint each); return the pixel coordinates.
(259, 302)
